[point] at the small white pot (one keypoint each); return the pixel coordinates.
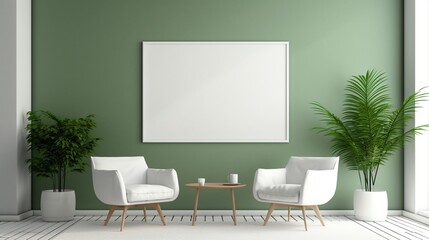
(370, 206)
(58, 206)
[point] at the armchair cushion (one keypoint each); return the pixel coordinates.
(147, 192)
(281, 193)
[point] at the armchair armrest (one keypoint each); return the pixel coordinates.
(165, 177)
(319, 187)
(268, 177)
(109, 187)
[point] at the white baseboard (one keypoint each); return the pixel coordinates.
(424, 213)
(16, 218)
(216, 212)
(416, 217)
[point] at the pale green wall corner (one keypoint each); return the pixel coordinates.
(87, 60)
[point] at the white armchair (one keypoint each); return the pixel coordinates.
(124, 182)
(306, 182)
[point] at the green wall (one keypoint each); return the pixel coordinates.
(87, 60)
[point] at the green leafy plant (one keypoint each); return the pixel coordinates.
(59, 145)
(370, 130)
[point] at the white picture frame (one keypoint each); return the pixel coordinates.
(215, 91)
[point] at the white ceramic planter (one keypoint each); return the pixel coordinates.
(370, 206)
(58, 206)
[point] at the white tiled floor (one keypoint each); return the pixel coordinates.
(84, 227)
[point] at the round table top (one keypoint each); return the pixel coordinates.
(216, 185)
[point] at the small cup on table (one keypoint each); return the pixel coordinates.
(201, 181)
(232, 178)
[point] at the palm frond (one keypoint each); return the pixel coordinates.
(368, 132)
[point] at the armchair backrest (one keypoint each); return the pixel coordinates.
(297, 167)
(133, 169)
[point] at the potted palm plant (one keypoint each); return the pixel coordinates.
(59, 146)
(367, 134)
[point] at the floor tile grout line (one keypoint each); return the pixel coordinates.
(381, 230)
(402, 227)
(25, 223)
(17, 231)
(60, 225)
(17, 227)
(409, 225)
(399, 226)
(397, 233)
(47, 226)
(31, 228)
(362, 225)
(418, 237)
(414, 222)
(66, 228)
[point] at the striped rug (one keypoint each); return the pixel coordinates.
(215, 227)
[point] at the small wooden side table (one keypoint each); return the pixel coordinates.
(215, 186)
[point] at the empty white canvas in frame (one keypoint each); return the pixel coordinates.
(215, 91)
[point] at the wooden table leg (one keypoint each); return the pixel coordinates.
(194, 216)
(233, 206)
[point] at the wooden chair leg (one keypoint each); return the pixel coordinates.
(109, 215)
(270, 210)
(319, 216)
(288, 214)
(144, 212)
(158, 209)
(303, 216)
(124, 215)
